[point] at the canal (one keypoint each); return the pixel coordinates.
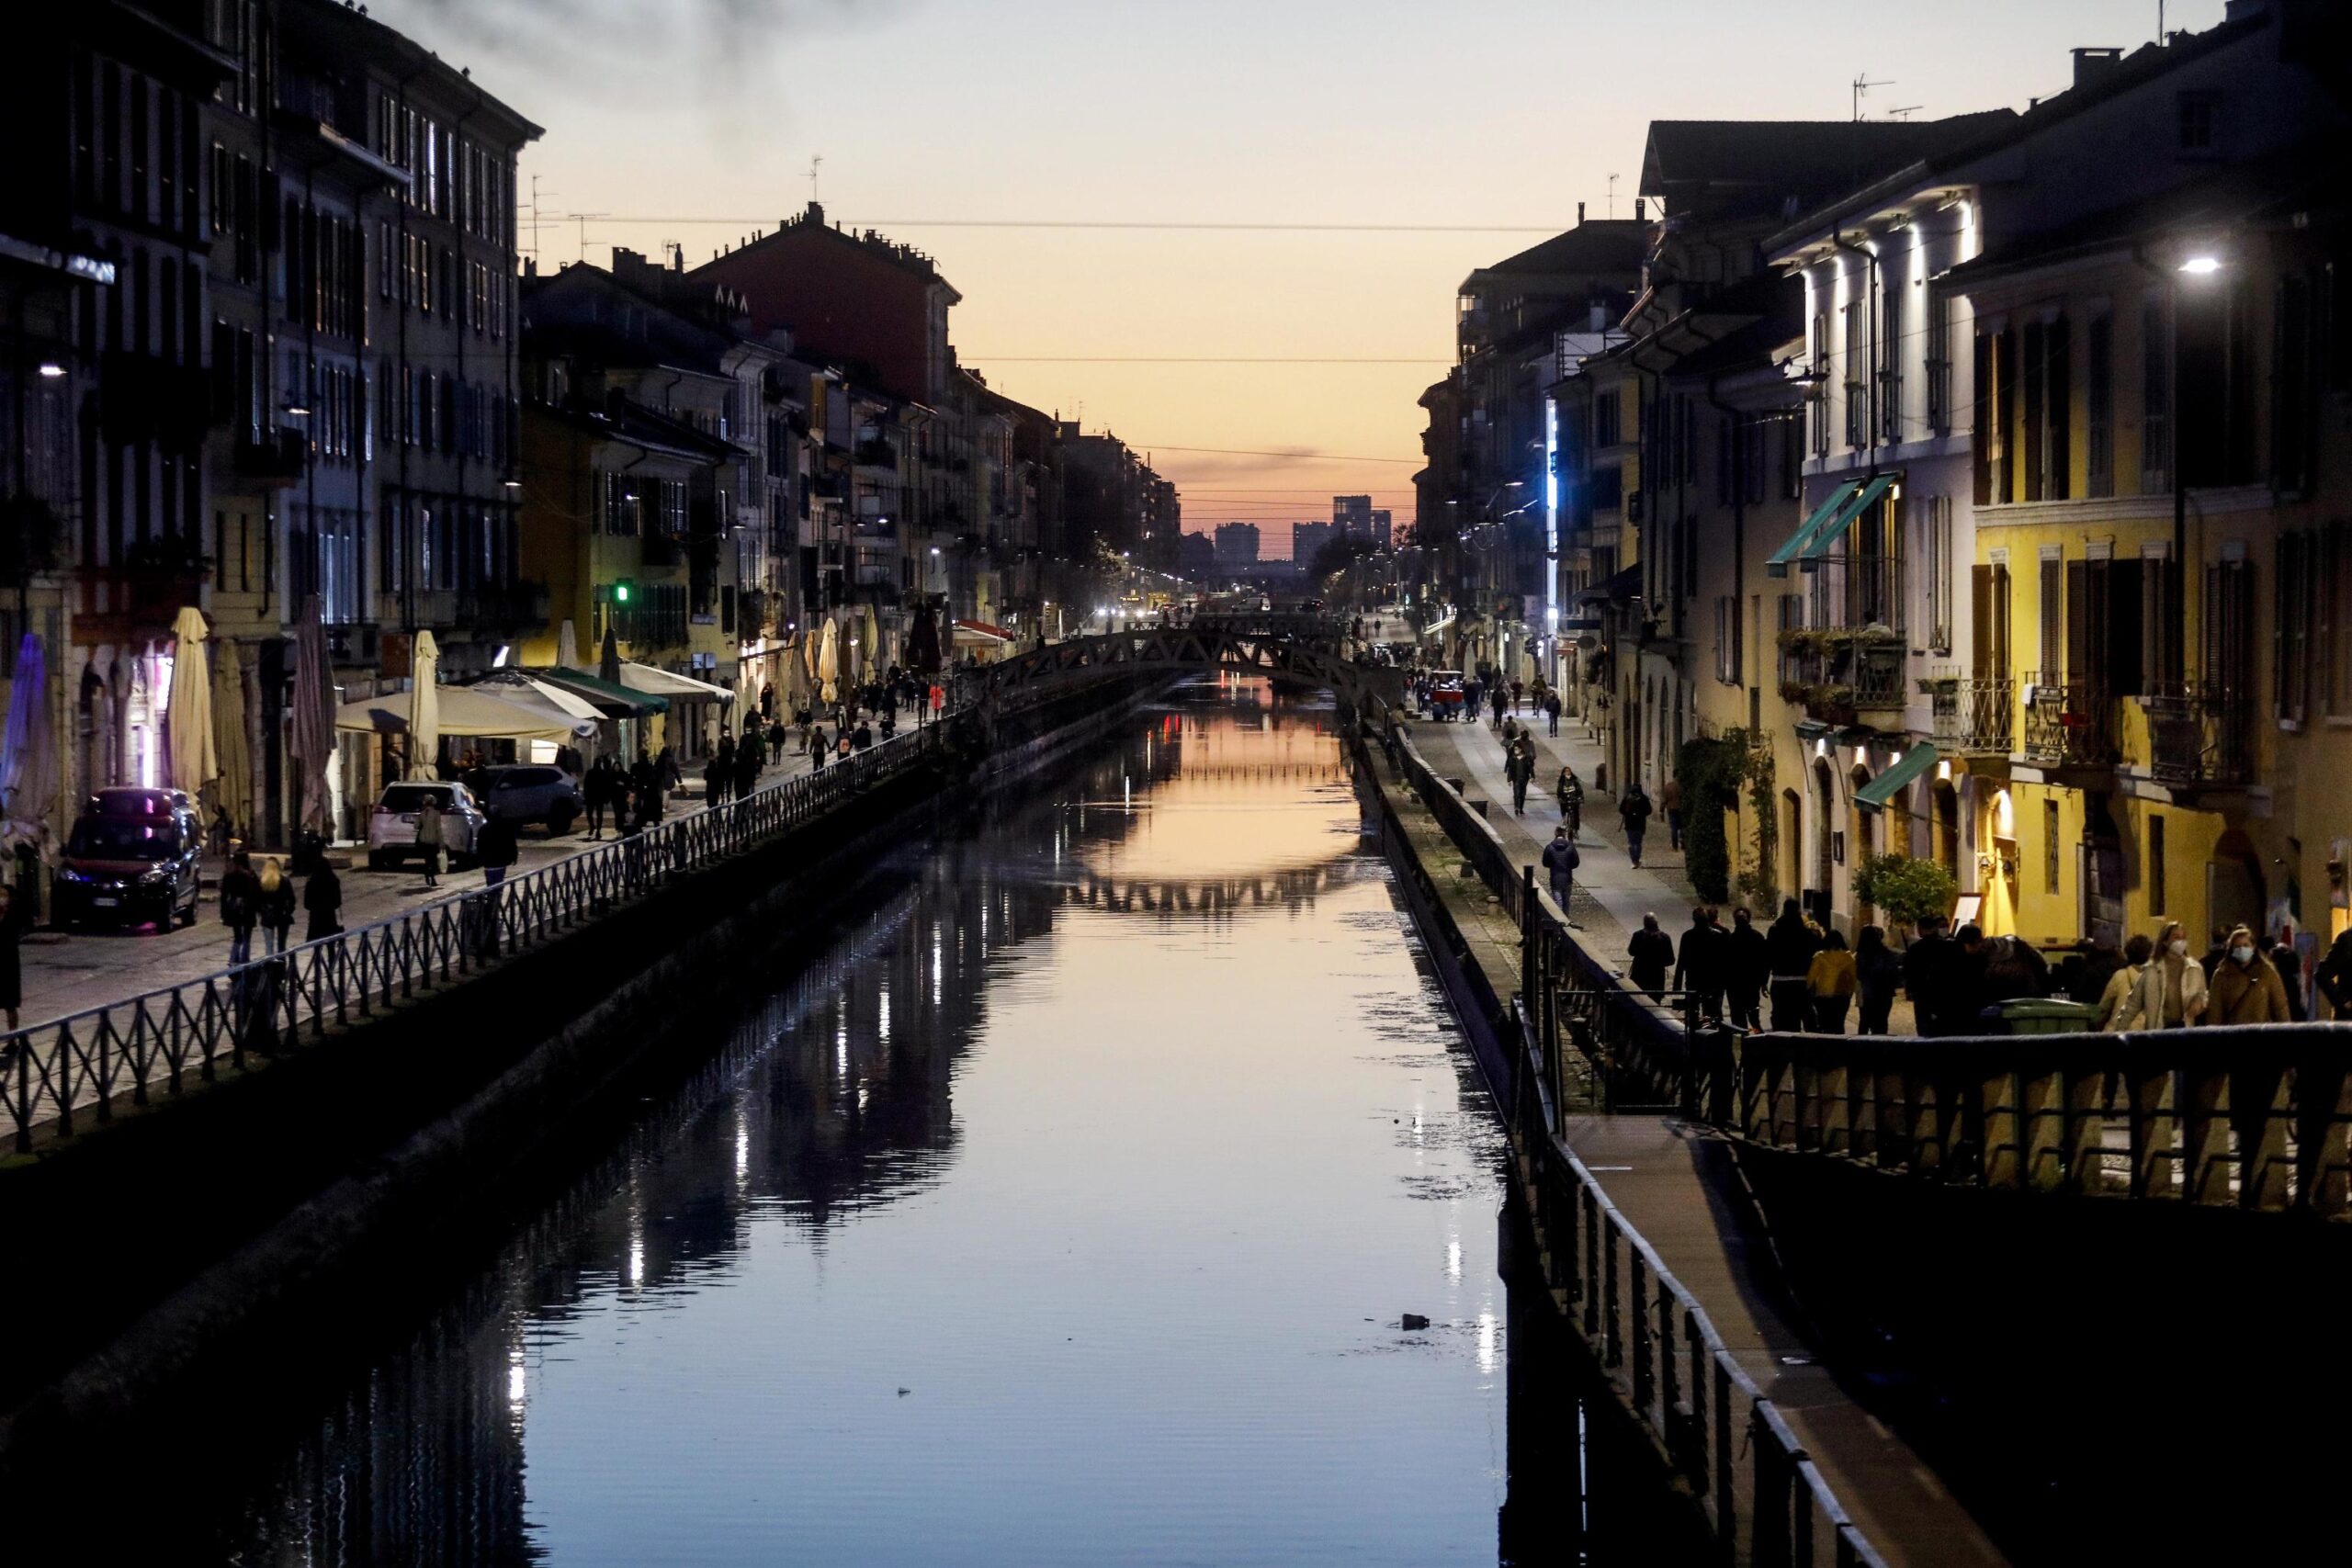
(1064, 1209)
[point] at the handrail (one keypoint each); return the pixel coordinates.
(61, 1074)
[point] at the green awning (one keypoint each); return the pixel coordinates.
(1817, 547)
(1874, 795)
(617, 702)
(1779, 565)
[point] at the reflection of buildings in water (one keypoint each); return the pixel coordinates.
(833, 1094)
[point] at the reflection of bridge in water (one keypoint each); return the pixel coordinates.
(1290, 650)
(1204, 895)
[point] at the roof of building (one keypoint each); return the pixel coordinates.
(621, 326)
(2133, 71)
(1597, 245)
(868, 242)
(407, 59)
(1788, 166)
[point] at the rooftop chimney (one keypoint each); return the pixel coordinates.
(1641, 211)
(1579, 214)
(2091, 64)
(815, 215)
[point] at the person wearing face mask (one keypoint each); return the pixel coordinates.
(2171, 989)
(2246, 989)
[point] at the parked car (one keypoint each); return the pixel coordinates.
(528, 792)
(391, 827)
(135, 856)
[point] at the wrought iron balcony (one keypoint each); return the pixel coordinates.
(1837, 676)
(2198, 733)
(1974, 714)
(2069, 721)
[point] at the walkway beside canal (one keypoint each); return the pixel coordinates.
(66, 973)
(1674, 1182)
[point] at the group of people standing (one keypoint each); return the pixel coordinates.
(263, 897)
(632, 795)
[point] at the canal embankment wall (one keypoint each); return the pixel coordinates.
(149, 1251)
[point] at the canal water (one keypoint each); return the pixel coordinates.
(1065, 1208)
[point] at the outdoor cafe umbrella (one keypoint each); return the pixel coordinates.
(463, 711)
(869, 647)
(312, 738)
(28, 750)
(234, 788)
(828, 663)
(608, 665)
(567, 648)
(424, 706)
(195, 760)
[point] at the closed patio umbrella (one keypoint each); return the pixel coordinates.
(311, 737)
(234, 788)
(424, 706)
(922, 644)
(828, 664)
(608, 664)
(869, 648)
(195, 756)
(28, 752)
(567, 648)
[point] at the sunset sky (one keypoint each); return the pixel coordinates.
(665, 114)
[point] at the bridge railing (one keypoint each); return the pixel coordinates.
(71, 1073)
(2252, 1117)
(1766, 1500)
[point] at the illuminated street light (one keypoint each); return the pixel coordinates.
(2201, 266)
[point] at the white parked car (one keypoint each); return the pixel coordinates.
(391, 827)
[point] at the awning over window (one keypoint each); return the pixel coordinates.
(1874, 796)
(1778, 566)
(1817, 547)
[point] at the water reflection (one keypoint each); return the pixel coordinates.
(1062, 1210)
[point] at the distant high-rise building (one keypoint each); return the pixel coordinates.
(1237, 546)
(1354, 517)
(1306, 542)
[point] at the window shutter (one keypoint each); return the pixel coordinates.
(1980, 608)
(2058, 466)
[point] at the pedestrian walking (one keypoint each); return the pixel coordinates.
(428, 839)
(2332, 981)
(1518, 766)
(322, 901)
(714, 781)
(240, 906)
(1653, 954)
(1496, 698)
(277, 905)
(1927, 974)
(12, 968)
(1670, 797)
(2246, 988)
(1517, 692)
(1699, 963)
(1877, 975)
(497, 848)
(597, 790)
(1633, 810)
(2288, 960)
(1560, 862)
(748, 762)
(1829, 984)
(1571, 791)
(1746, 966)
(1789, 948)
(2119, 1002)
(1551, 710)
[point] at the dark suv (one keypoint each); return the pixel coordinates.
(528, 792)
(135, 856)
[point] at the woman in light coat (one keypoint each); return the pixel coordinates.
(2170, 992)
(2116, 1002)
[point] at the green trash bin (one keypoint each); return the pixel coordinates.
(2040, 1015)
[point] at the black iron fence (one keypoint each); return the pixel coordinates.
(1765, 1499)
(63, 1076)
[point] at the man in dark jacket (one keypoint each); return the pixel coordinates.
(1653, 954)
(1747, 966)
(496, 847)
(2332, 981)
(1928, 976)
(1560, 862)
(1788, 949)
(1699, 963)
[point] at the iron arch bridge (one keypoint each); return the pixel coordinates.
(1295, 651)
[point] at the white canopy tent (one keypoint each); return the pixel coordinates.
(468, 711)
(528, 691)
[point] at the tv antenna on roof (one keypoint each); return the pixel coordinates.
(1612, 195)
(1906, 112)
(1863, 84)
(815, 164)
